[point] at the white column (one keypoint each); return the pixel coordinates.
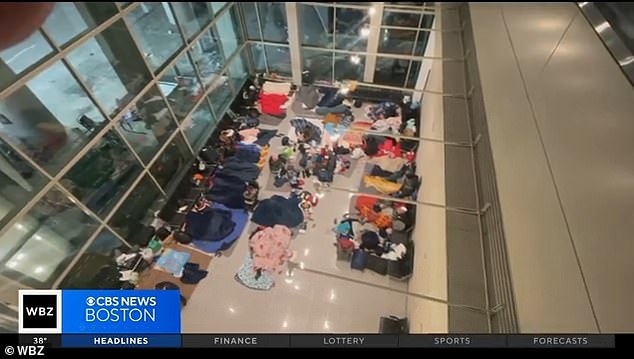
(375, 12)
(426, 65)
(168, 12)
(293, 42)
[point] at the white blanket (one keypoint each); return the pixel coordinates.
(276, 87)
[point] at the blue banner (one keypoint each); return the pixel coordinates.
(121, 311)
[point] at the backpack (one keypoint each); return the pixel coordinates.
(359, 259)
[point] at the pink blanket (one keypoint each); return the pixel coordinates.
(271, 248)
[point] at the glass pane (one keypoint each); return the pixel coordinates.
(352, 29)
(207, 56)
(137, 211)
(279, 59)
(238, 72)
(428, 21)
(20, 57)
(413, 75)
(111, 67)
(192, 16)
(349, 67)
(123, 4)
(103, 174)
(220, 96)
(181, 87)
(228, 33)
(397, 41)
(153, 26)
(51, 118)
(317, 25)
(319, 63)
(199, 125)
(251, 19)
(273, 21)
(257, 53)
(171, 162)
(404, 19)
(421, 44)
(97, 268)
(19, 182)
(391, 72)
(148, 125)
(217, 6)
(42, 243)
(71, 19)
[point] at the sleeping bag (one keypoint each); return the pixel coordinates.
(278, 210)
(271, 103)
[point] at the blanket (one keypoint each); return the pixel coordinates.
(278, 210)
(227, 190)
(300, 124)
(381, 184)
(246, 171)
(212, 224)
(388, 164)
(248, 276)
(238, 216)
(173, 261)
(271, 103)
(270, 248)
(276, 87)
(265, 136)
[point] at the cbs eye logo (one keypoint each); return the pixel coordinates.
(90, 301)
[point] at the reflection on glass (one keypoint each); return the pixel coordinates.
(153, 26)
(349, 67)
(51, 118)
(319, 63)
(71, 19)
(317, 24)
(217, 6)
(279, 59)
(97, 268)
(251, 19)
(171, 162)
(19, 182)
(181, 86)
(352, 29)
(22, 56)
(220, 96)
(413, 75)
(41, 243)
(391, 72)
(200, 124)
(257, 53)
(111, 67)
(421, 44)
(192, 16)
(207, 57)
(228, 33)
(403, 19)
(103, 174)
(397, 41)
(273, 21)
(137, 211)
(123, 4)
(147, 125)
(238, 72)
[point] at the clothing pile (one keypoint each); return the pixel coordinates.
(273, 98)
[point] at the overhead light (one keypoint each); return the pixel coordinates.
(602, 26)
(232, 310)
(285, 324)
(306, 251)
(37, 237)
(582, 4)
(19, 256)
(365, 31)
(38, 270)
(355, 59)
(372, 10)
(12, 264)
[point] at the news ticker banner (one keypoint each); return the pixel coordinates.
(151, 319)
(313, 341)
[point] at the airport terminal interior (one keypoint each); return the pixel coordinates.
(344, 167)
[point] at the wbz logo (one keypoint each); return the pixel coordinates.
(40, 311)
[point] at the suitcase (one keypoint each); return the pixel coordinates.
(359, 260)
(377, 264)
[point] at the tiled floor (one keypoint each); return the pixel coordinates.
(322, 295)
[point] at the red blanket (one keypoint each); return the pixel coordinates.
(271, 103)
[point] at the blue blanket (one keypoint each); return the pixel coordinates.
(212, 224)
(278, 210)
(265, 136)
(248, 153)
(246, 171)
(227, 190)
(240, 217)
